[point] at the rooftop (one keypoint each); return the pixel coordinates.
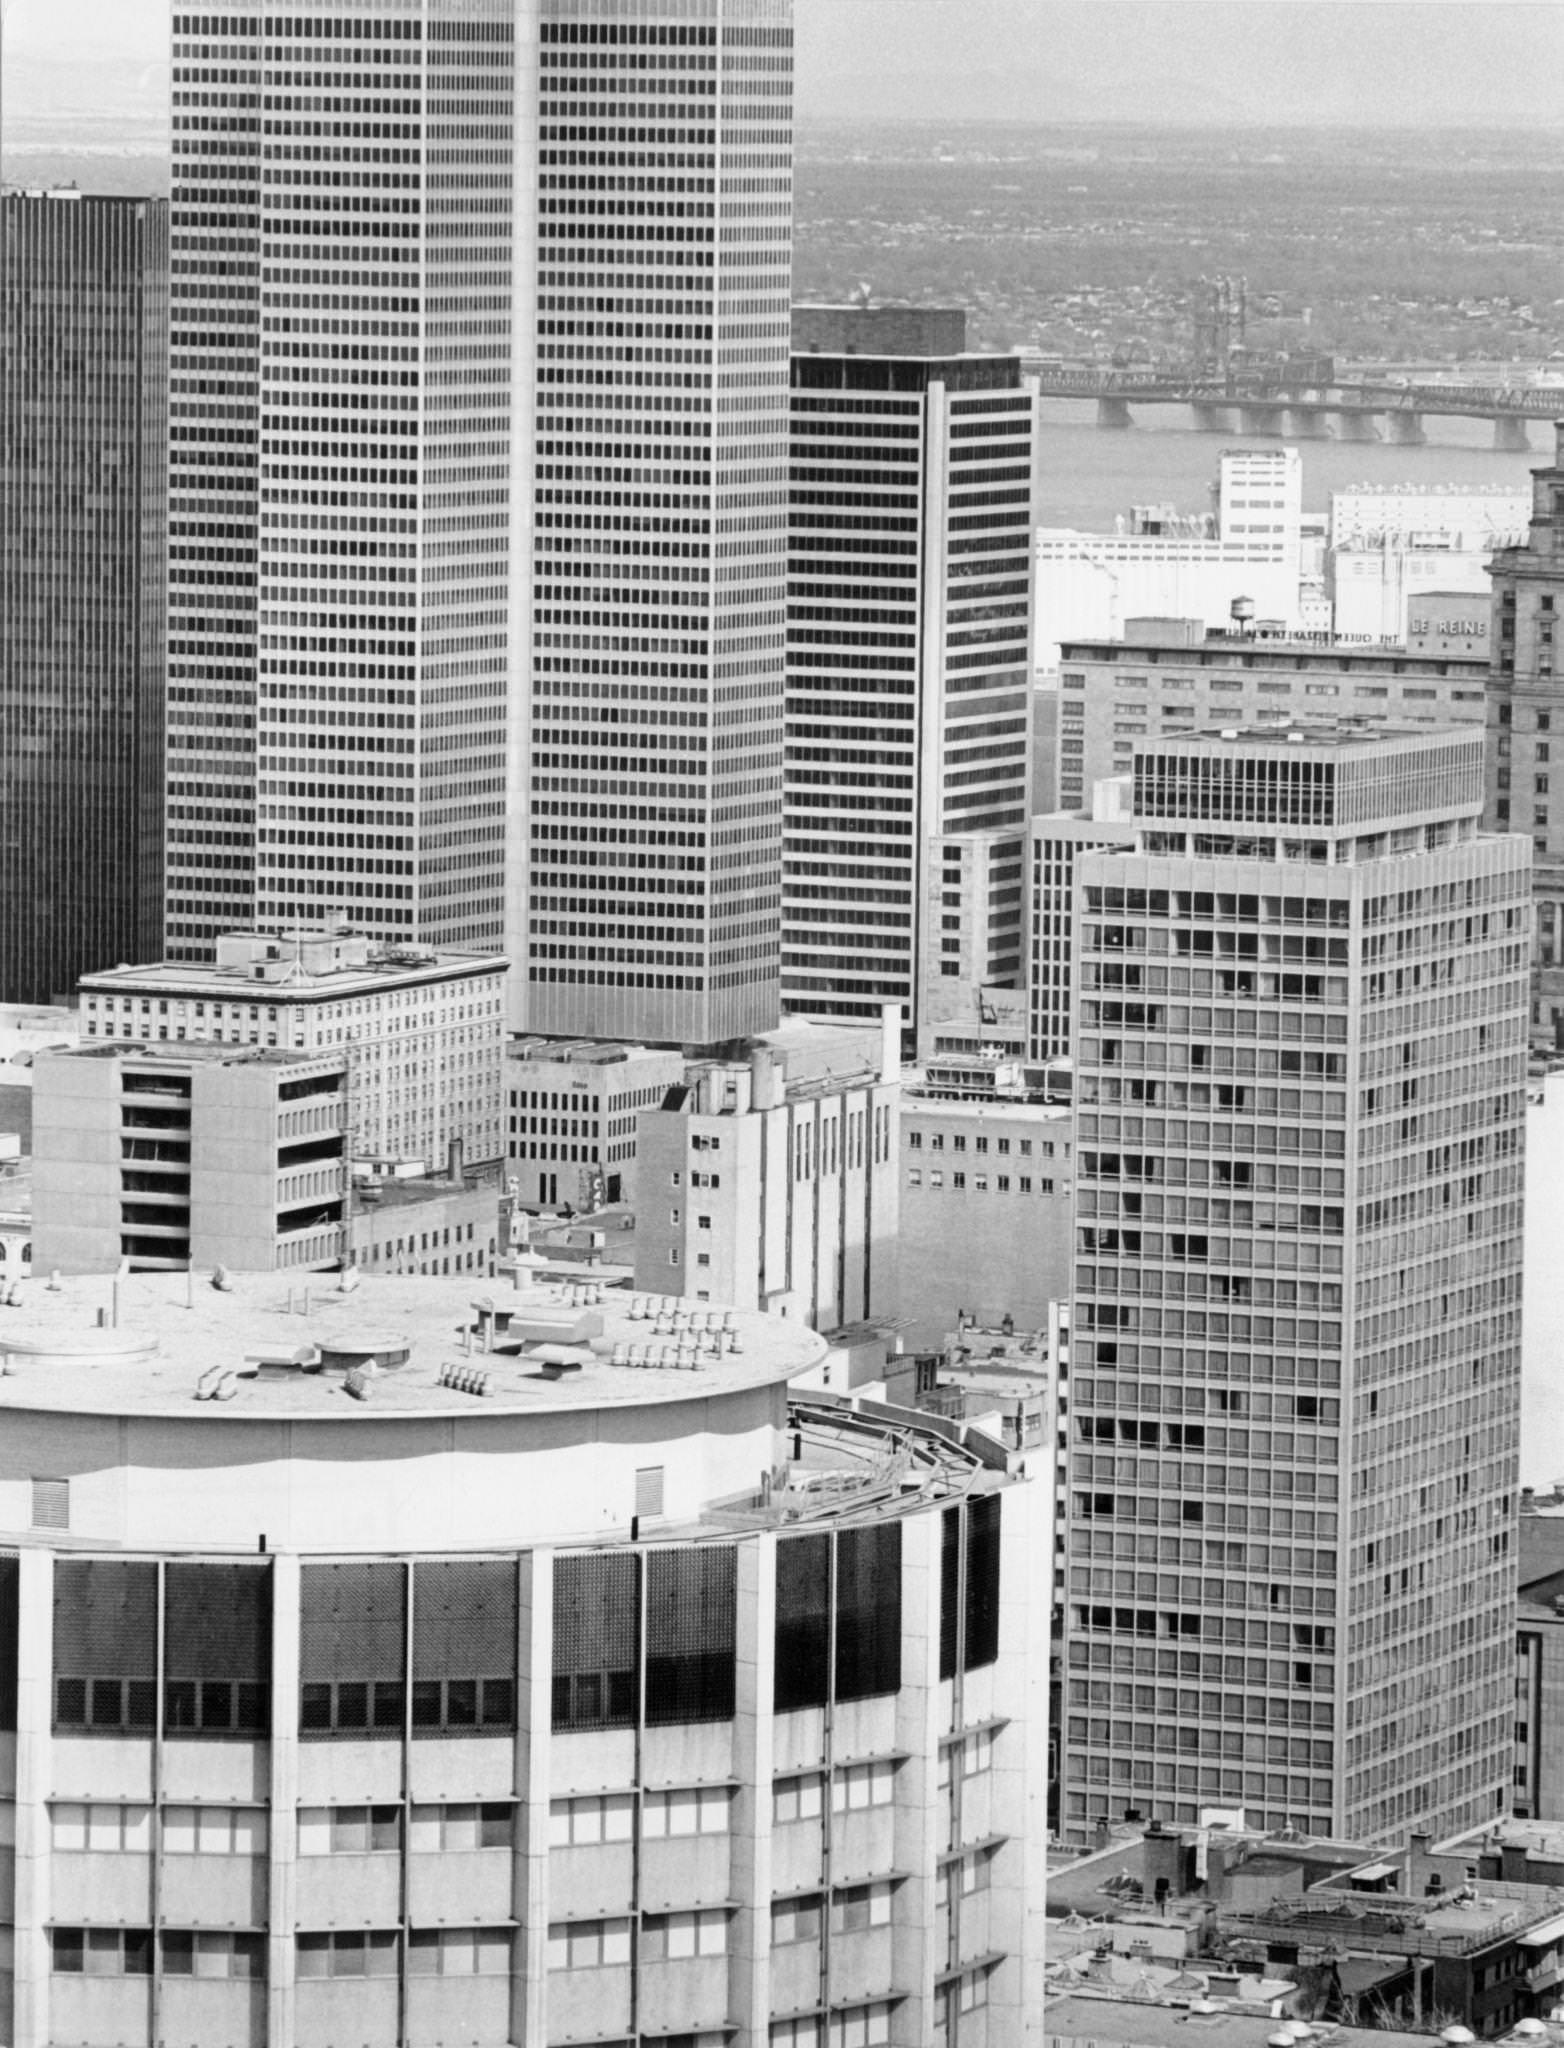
(306, 965)
(1141, 2023)
(258, 1348)
(194, 1052)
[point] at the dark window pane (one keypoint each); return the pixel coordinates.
(690, 1612)
(179, 1955)
(499, 1703)
(868, 1611)
(949, 1591)
(426, 1703)
(179, 1704)
(982, 1646)
(70, 1702)
(390, 1703)
(803, 1629)
(352, 1706)
(108, 1702)
(461, 1703)
(595, 1639)
(315, 1707)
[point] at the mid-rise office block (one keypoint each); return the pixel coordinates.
(175, 1157)
(973, 926)
(500, 1700)
(345, 445)
(985, 1214)
(1168, 676)
(423, 1032)
(1300, 1064)
(1523, 700)
(759, 1194)
(83, 397)
(909, 662)
(654, 822)
(1057, 842)
(572, 1108)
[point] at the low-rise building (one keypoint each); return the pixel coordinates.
(1058, 840)
(184, 1156)
(758, 1191)
(424, 1031)
(399, 1224)
(570, 1117)
(985, 1213)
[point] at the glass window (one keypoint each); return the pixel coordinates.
(674, 1937)
(797, 1919)
(588, 1944)
(797, 1798)
(608, 1817)
(693, 1810)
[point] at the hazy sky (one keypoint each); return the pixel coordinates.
(1270, 61)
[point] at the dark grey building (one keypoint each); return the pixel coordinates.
(83, 380)
(908, 667)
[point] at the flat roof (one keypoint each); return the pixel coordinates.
(297, 984)
(196, 1052)
(1137, 2023)
(554, 1345)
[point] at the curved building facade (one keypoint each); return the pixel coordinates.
(388, 1666)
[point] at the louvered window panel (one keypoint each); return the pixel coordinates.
(803, 1630)
(464, 1645)
(217, 1631)
(595, 1641)
(868, 1611)
(690, 1613)
(353, 1649)
(9, 1576)
(949, 1591)
(105, 1645)
(982, 1604)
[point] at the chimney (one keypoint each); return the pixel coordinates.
(890, 1041)
(453, 1160)
(765, 1091)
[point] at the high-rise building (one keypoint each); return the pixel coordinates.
(909, 663)
(391, 727)
(508, 1671)
(84, 329)
(651, 883)
(348, 365)
(1523, 700)
(1301, 1071)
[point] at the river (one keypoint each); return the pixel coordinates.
(1090, 474)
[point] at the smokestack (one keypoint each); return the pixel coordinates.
(453, 1160)
(890, 1041)
(764, 1085)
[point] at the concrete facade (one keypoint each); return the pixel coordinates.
(759, 1194)
(1171, 676)
(188, 1156)
(985, 1227)
(1057, 842)
(424, 1031)
(1301, 1036)
(571, 1114)
(522, 1717)
(1524, 699)
(973, 953)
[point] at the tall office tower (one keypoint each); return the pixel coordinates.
(648, 907)
(84, 329)
(346, 353)
(909, 595)
(1523, 700)
(1301, 1066)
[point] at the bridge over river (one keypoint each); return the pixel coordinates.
(1359, 411)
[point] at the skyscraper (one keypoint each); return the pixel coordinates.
(85, 308)
(1523, 700)
(367, 698)
(909, 669)
(345, 448)
(1301, 1061)
(651, 884)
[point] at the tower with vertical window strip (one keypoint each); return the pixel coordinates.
(340, 640)
(653, 840)
(83, 326)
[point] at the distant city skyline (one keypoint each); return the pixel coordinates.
(1276, 63)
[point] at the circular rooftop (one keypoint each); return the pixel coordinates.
(261, 1346)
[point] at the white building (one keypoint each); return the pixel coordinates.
(425, 1031)
(463, 1675)
(1161, 564)
(570, 1111)
(763, 1193)
(1389, 546)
